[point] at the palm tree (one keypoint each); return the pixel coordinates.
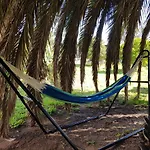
(12, 47)
(25, 26)
(23, 39)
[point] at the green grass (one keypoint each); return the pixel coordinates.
(50, 104)
(20, 113)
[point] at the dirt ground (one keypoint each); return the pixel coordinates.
(89, 136)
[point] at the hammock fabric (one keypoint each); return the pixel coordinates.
(67, 97)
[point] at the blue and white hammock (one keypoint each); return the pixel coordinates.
(67, 97)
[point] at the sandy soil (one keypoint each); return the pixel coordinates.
(89, 136)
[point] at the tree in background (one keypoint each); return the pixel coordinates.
(135, 52)
(102, 54)
(135, 49)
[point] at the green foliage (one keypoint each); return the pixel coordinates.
(49, 60)
(91, 142)
(102, 54)
(19, 115)
(85, 93)
(50, 104)
(136, 48)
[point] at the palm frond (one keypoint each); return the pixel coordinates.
(132, 24)
(8, 17)
(44, 23)
(58, 40)
(57, 48)
(67, 60)
(96, 49)
(113, 47)
(93, 13)
(3, 7)
(12, 47)
(142, 45)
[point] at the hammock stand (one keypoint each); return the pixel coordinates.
(59, 128)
